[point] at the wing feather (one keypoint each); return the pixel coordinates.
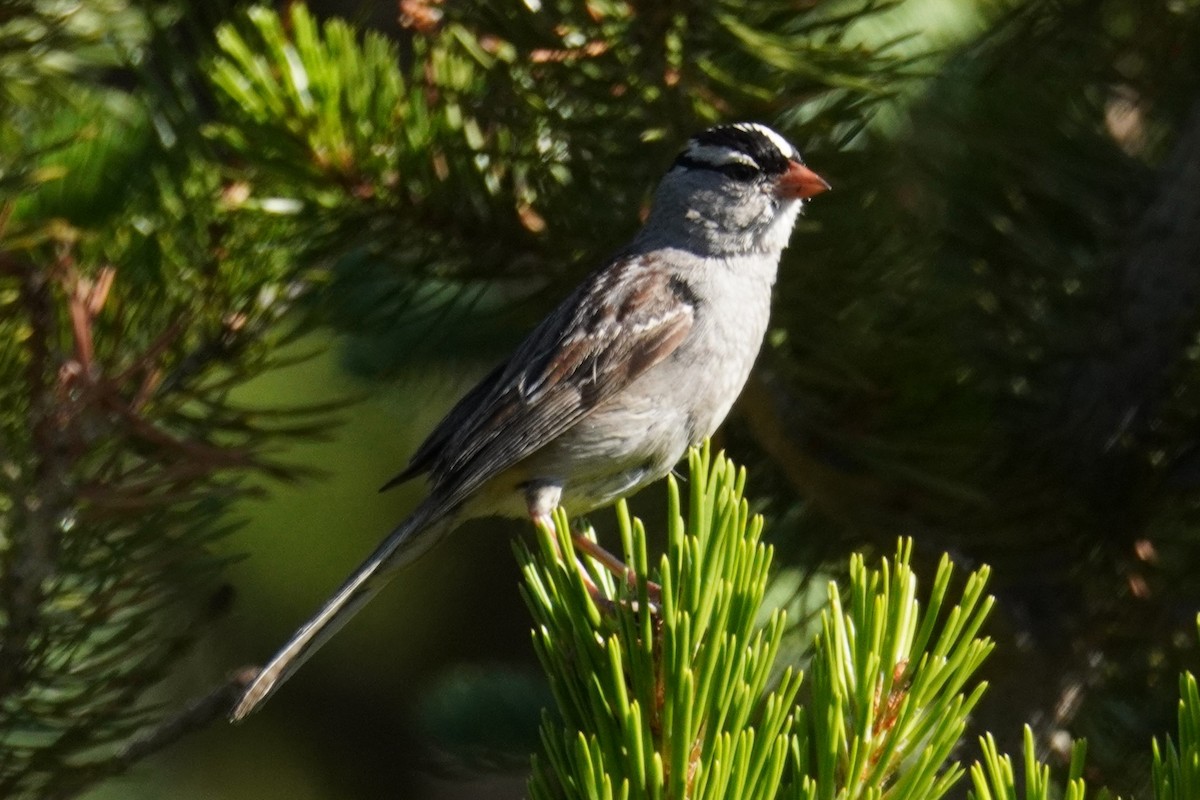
(426, 455)
(580, 356)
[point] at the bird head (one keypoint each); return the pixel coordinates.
(734, 188)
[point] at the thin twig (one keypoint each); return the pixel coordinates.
(197, 714)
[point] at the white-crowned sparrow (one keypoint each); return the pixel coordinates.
(641, 361)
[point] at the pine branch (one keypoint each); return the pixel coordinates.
(659, 702)
(196, 715)
(30, 561)
(668, 692)
(133, 300)
(893, 685)
(939, 290)
(1175, 772)
(1176, 768)
(993, 777)
(663, 691)
(465, 156)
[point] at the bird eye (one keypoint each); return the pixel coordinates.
(740, 172)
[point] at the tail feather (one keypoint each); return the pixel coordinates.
(410, 539)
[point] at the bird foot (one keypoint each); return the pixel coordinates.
(617, 567)
(607, 560)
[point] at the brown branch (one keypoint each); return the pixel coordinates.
(81, 327)
(174, 485)
(31, 559)
(86, 299)
(97, 293)
(212, 455)
(196, 715)
(145, 362)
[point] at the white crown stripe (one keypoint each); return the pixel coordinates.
(785, 147)
(718, 156)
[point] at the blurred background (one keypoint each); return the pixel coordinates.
(251, 254)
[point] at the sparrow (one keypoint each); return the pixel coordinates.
(641, 361)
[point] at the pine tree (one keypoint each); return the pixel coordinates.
(983, 338)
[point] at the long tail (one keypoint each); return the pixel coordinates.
(408, 541)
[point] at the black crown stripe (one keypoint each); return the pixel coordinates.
(757, 146)
(741, 172)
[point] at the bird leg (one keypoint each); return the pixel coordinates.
(546, 521)
(541, 500)
(616, 566)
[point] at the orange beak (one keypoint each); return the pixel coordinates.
(800, 182)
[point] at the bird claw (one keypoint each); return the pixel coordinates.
(619, 570)
(605, 559)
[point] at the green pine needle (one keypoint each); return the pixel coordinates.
(1176, 768)
(672, 703)
(892, 685)
(680, 702)
(994, 778)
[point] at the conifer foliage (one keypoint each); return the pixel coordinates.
(688, 700)
(132, 303)
(985, 337)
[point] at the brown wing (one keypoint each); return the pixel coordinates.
(581, 355)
